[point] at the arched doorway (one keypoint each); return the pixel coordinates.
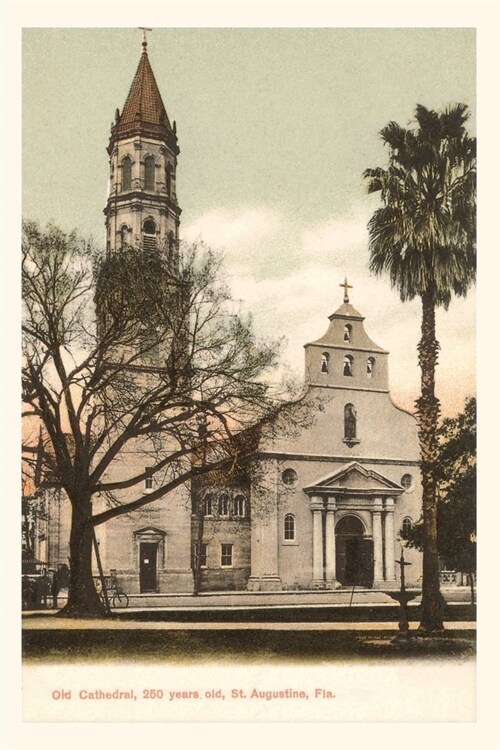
(354, 553)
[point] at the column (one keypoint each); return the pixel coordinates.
(264, 564)
(331, 507)
(378, 570)
(317, 511)
(389, 556)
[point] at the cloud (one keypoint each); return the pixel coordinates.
(288, 276)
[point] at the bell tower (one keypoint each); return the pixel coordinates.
(345, 358)
(142, 208)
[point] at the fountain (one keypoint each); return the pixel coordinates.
(403, 597)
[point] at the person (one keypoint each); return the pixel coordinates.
(59, 581)
(42, 588)
(64, 577)
(55, 587)
(27, 592)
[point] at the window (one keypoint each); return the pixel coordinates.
(350, 425)
(407, 481)
(207, 505)
(149, 240)
(127, 173)
(348, 365)
(203, 555)
(370, 367)
(407, 525)
(202, 551)
(148, 482)
(223, 504)
(239, 505)
(149, 226)
(169, 179)
(149, 173)
(289, 477)
(289, 527)
(325, 357)
(226, 555)
(124, 236)
(347, 332)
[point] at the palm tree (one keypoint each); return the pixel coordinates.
(424, 238)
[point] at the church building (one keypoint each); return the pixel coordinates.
(338, 491)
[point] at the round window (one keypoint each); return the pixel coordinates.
(407, 481)
(289, 477)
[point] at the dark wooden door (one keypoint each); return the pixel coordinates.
(352, 546)
(340, 562)
(354, 561)
(148, 562)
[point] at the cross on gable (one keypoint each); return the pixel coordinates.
(346, 286)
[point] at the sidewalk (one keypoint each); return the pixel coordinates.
(273, 599)
(295, 610)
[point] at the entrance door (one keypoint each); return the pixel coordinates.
(147, 572)
(354, 561)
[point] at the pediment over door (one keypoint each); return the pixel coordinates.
(355, 479)
(149, 532)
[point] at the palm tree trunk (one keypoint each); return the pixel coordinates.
(428, 409)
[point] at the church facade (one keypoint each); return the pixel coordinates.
(332, 496)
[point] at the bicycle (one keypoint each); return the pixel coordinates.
(117, 598)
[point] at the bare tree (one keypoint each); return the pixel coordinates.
(132, 349)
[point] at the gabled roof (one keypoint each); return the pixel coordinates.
(354, 478)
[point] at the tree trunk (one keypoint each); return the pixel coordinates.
(200, 526)
(428, 409)
(83, 600)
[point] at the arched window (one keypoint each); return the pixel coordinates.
(325, 360)
(348, 365)
(289, 527)
(407, 525)
(370, 367)
(347, 332)
(407, 481)
(224, 504)
(239, 506)
(127, 173)
(208, 505)
(349, 422)
(124, 236)
(149, 239)
(149, 173)
(168, 179)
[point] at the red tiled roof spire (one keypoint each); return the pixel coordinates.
(144, 111)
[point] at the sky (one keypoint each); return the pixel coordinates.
(275, 127)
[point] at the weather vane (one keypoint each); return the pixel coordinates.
(144, 30)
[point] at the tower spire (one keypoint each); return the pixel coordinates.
(142, 207)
